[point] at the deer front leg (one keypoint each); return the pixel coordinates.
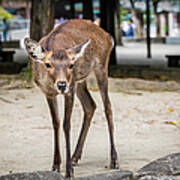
(56, 123)
(69, 99)
(89, 107)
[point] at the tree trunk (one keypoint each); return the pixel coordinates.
(138, 29)
(107, 23)
(42, 18)
(88, 9)
(157, 19)
(167, 23)
(148, 33)
(27, 11)
(118, 24)
(158, 25)
(42, 22)
(141, 23)
(72, 9)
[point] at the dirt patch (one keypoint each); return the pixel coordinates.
(141, 111)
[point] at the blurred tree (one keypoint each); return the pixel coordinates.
(42, 18)
(157, 17)
(136, 20)
(148, 36)
(27, 11)
(118, 23)
(42, 21)
(88, 9)
(72, 9)
(107, 23)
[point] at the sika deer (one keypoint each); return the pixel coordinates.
(61, 62)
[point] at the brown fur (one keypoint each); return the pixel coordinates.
(61, 47)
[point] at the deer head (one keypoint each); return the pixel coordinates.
(59, 64)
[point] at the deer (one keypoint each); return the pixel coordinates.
(61, 62)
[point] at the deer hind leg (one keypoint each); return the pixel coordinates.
(89, 107)
(102, 80)
(56, 123)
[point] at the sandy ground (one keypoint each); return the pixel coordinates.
(141, 109)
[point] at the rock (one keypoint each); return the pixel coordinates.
(116, 175)
(33, 176)
(159, 178)
(166, 168)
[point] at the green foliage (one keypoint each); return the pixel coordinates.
(26, 73)
(5, 14)
(124, 12)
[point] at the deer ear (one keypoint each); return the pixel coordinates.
(77, 51)
(34, 50)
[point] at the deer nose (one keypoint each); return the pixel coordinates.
(61, 85)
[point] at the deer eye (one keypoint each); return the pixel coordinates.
(71, 66)
(48, 65)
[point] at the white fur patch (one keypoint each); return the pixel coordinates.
(37, 51)
(81, 53)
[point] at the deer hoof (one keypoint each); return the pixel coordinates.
(55, 169)
(114, 165)
(70, 174)
(74, 162)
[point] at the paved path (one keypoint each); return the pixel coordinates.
(136, 54)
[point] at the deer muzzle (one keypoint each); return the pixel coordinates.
(61, 86)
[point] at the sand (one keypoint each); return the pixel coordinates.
(141, 110)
